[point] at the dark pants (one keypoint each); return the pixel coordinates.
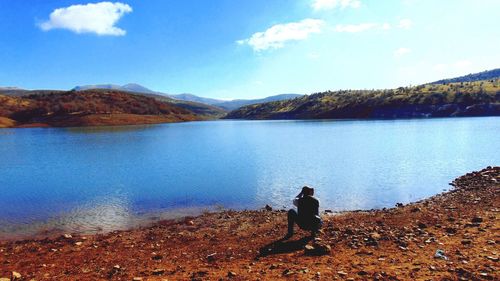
(311, 224)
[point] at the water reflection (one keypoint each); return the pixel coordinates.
(92, 179)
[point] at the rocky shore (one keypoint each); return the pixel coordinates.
(450, 236)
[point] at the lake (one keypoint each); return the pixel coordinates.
(88, 180)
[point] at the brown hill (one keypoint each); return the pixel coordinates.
(89, 108)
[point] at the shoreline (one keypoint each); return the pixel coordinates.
(398, 243)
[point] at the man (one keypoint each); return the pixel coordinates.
(307, 216)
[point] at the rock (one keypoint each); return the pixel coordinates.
(211, 257)
(341, 273)
(158, 271)
(317, 249)
(78, 243)
(16, 275)
(466, 242)
(328, 211)
(362, 273)
(477, 220)
(375, 236)
(495, 259)
(416, 209)
(137, 279)
(399, 205)
(4, 279)
(450, 230)
(268, 208)
(440, 255)
(287, 272)
(67, 236)
(157, 257)
(231, 274)
(190, 222)
(422, 225)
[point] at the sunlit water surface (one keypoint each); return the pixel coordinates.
(99, 179)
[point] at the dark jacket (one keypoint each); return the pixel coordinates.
(308, 207)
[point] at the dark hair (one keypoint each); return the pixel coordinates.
(307, 190)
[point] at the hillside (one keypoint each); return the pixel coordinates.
(480, 98)
(203, 110)
(485, 75)
(88, 108)
(234, 104)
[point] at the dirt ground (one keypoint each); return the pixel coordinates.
(451, 236)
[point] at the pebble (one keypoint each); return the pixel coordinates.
(466, 242)
(495, 259)
(158, 271)
(477, 220)
(211, 257)
(16, 275)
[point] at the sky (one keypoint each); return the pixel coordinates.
(246, 48)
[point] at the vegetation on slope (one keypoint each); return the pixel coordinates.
(204, 111)
(433, 100)
(92, 107)
(485, 75)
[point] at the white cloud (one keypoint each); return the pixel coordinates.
(361, 27)
(318, 5)
(276, 36)
(99, 18)
(401, 52)
(405, 24)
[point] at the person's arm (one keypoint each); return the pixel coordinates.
(296, 199)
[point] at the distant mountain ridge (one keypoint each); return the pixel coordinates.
(224, 104)
(234, 104)
(485, 75)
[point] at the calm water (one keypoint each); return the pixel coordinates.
(93, 179)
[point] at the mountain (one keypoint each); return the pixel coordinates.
(132, 87)
(485, 75)
(193, 98)
(234, 104)
(197, 100)
(480, 98)
(205, 110)
(12, 91)
(88, 108)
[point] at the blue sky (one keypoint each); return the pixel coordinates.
(246, 48)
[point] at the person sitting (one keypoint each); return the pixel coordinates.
(307, 217)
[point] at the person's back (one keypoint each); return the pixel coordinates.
(308, 207)
(307, 216)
